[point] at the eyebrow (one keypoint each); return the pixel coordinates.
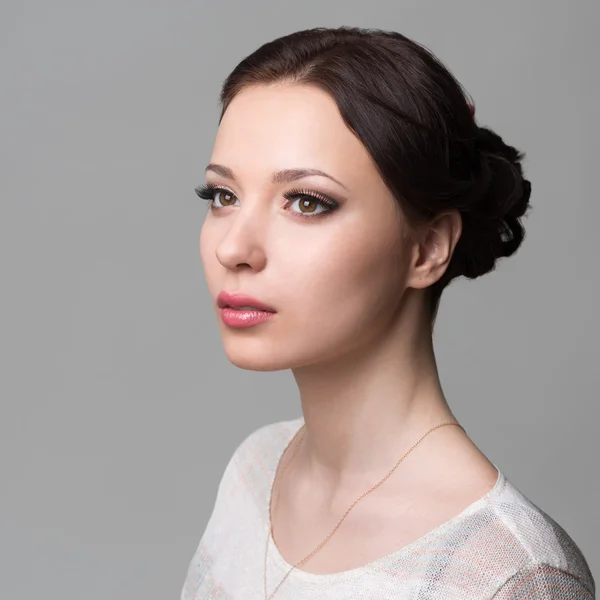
(284, 176)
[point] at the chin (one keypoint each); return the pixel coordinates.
(254, 357)
(252, 363)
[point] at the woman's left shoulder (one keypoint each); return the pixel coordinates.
(535, 537)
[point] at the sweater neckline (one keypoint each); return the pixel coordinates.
(306, 576)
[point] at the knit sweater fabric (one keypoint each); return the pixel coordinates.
(500, 547)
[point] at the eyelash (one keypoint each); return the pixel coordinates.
(208, 190)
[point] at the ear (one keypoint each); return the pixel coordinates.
(434, 243)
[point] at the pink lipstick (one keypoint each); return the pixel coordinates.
(239, 310)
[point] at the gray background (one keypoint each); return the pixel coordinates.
(119, 407)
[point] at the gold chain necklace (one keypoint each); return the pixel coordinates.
(345, 514)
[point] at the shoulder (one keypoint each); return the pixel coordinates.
(540, 551)
(269, 438)
(265, 444)
(238, 515)
(254, 460)
(245, 482)
(542, 580)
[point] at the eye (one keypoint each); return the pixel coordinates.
(308, 199)
(208, 191)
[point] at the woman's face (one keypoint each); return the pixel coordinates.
(335, 277)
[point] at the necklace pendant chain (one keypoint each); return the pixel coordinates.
(270, 527)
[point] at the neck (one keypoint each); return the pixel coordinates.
(365, 409)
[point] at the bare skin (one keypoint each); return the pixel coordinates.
(449, 475)
(349, 287)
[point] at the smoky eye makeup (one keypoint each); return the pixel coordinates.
(209, 191)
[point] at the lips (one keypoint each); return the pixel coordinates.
(225, 300)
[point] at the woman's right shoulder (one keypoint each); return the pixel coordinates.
(254, 460)
(260, 450)
(269, 438)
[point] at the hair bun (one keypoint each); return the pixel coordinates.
(499, 198)
(489, 142)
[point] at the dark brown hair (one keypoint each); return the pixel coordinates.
(417, 123)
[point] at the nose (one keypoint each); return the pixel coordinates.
(243, 241)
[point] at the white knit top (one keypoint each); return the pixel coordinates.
(501, 546)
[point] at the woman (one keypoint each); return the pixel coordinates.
(349, 184)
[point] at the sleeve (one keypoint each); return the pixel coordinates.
(541, 581)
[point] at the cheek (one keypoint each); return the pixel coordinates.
(208, 257)
(203, 242)
(345, 291)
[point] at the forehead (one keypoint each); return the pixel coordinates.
(277, 126)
